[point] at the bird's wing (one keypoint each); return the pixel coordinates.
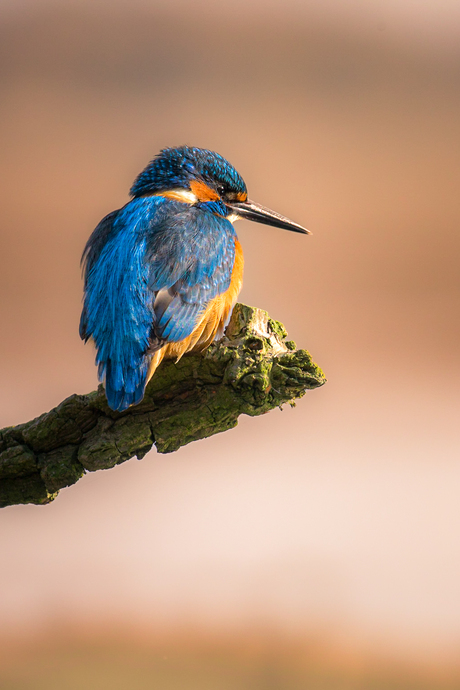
(190, 257)
(90, 255)
(151, 269)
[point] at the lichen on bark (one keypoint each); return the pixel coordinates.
(252, 370)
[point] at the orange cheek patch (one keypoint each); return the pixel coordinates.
(203, 192)
(241, 196)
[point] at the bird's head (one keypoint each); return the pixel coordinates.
(204, 178)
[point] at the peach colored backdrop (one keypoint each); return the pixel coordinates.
(339, 518)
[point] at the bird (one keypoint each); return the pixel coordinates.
(162, 273)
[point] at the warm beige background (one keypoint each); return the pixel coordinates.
(338, 519)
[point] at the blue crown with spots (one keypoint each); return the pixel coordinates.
(175, 167)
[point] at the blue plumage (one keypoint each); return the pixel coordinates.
(175, 167)
(154, 267)
(151, 245)
(118, 308)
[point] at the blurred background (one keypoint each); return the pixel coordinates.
(313, 547)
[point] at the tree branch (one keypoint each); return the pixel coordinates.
(252, 370)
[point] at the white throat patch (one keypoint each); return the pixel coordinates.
(232, 217)
(183, 195)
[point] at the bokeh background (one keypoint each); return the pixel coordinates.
(316, 547)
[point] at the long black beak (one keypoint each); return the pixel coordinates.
(252, 211)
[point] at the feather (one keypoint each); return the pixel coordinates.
(151, 271)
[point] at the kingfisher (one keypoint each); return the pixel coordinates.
(162, 273)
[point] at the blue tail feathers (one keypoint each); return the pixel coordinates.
(124, 385)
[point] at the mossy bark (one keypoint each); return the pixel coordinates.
(252, 370)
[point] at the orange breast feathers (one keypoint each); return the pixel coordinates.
(210, 324)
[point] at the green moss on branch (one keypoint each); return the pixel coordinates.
(252, 370)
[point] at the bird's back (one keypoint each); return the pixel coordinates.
(157, 272)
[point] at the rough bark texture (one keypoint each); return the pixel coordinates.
(252, 370)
